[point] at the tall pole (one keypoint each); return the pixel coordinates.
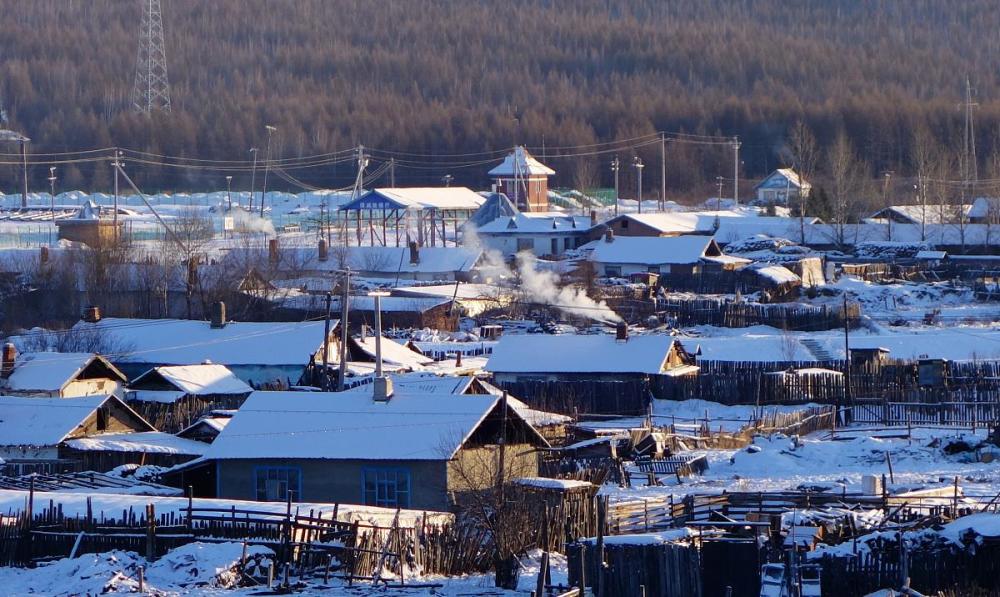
(267, 166)
(253, 177)
(663, 171)
(52, 191)
(229, 191)
(392, 172)
(615, 166)
(885, 202)
(345, 295)
(718, 195)
(325, 380)
(736, 171)
(847, 354)
(638, 169)
(377, 295)
(117, 163)
(24, 170)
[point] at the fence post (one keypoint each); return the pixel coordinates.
(150, 532)
(190, 509)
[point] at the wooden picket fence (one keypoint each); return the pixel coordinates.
(728, 313)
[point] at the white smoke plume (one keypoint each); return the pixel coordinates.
(247, 222)
(543, 287)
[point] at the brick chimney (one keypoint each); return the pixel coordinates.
(9, 356)
(414, 253)
(324, 254)
(272, 250)
(92, 314)
(609, 236)
(218, 315)
(621, 332)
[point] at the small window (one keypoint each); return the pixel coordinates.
(625, 223)
(613, 271)
(567, 244)
(555, 246)
(386, 487)
(103, 415)
(525, 244)
(274, 482)
(653, 269)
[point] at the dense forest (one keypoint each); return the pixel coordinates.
(445, 85)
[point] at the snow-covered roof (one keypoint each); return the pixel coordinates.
(151, 442)
(418, 198)
(778, 274)
(393, 353)
(521, 163)
(395, 304)
(43, 421)
(199, 380)
(931, 254)
(497, 205)
(929, 214)
(391, 260)
(351, 426)
(650, 250)
(184, 342)
(51, 371)
(547, 483)
(523, 223)
(570, 353)
(792, 176)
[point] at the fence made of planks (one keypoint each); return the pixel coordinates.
(722, 312)
(626, 570)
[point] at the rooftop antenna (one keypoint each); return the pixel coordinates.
(151, 90)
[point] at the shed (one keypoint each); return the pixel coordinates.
(174, 397)
(59, 374)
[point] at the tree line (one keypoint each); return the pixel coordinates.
(444, 83)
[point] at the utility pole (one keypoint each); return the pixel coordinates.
(918, 190)
(377, 295)
(52, 191)
(887, 177)
(267, 166)
(24, 169)
(229, 192)
(718, 196)
(253, 177)
(663, 171)
(736, 171)
(325, 380)
(615, 166)
(847, 354)
(118, 164)
(345, 295)
(392, 172)
(637, 163)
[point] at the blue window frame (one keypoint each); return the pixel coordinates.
(385, 487)
(272, 483)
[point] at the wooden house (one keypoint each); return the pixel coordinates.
(419, 451)
(57, 374)
(34, 431)
(524, 180)
(541, 234)
(173, 397)
(668, 257)
(784, 186)
(256, 352)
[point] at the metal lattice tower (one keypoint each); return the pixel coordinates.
(152, 88)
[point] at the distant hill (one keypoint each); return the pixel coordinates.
(458, 79)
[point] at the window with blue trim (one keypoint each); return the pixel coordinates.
(274, 482)
(386, 487)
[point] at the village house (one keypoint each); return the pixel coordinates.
(106, 451)
(524, 180)
(256, 352)
(726, 226)
(57, 374)
(665, 256)
(541, 234)
(784, 186)
(173, 397)
(34, 431)
(208, 427)
(413, 450)
(410, 262)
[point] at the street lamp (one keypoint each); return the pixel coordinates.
(253, 177)
(637, 163)
(52, 190)
(267, 166)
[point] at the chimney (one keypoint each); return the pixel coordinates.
(9, 356)
(621, 332)
(609, 236)
(593, 218)
(92, 314)
(414, 253)
(43, 255)
(218, 315)
(323, 253)
(272, 250)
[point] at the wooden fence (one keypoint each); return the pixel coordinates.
(728, 313)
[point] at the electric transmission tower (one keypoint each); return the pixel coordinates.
(152, 88)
